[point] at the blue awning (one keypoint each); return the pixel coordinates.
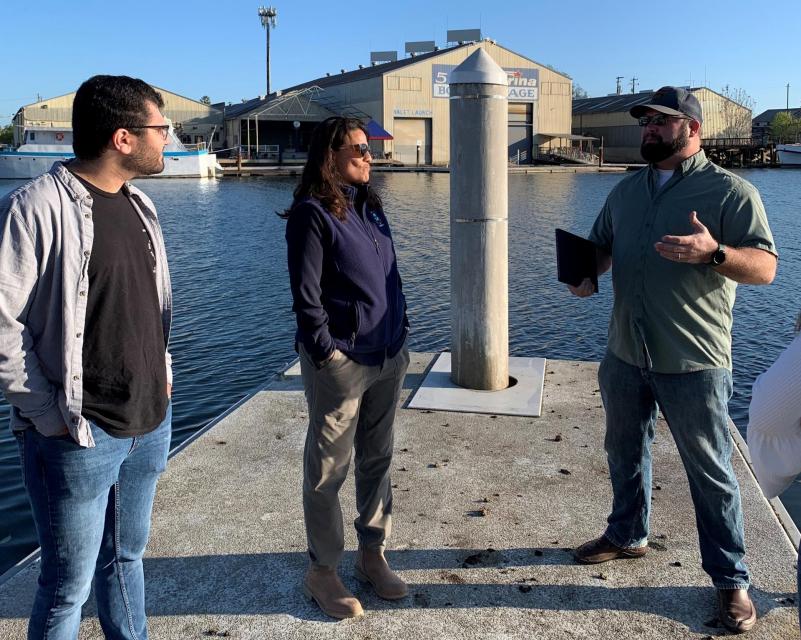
(376, 132)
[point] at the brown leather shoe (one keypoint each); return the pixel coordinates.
(322, 584)
(735, 610)
(371, 567)
(602, 550)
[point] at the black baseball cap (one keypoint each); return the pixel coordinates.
(672, 101)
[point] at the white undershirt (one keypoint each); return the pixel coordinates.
(664, 175)
(774, 424)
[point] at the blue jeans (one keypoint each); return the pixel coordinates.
(92, 512)
(695, 406)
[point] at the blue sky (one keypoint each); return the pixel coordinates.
(217, 48)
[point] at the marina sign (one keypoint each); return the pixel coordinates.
(523, 83)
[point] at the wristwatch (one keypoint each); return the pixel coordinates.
(719, 256)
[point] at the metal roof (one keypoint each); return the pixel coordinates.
(615, 103)
(235, 110)
(770, 114)
(380, 69)
(372, 71)
(311, 101)
(611, 104)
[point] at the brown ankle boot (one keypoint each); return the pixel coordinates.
(322, 584)
(372, 567)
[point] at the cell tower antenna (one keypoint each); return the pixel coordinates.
(269, 19)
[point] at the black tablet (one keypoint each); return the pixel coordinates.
(575, 259)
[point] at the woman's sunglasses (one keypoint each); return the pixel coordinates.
(362, 149)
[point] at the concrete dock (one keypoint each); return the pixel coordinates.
(487, 509)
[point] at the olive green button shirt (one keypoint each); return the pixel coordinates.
(668, 316)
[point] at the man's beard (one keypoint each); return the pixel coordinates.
(656, 151)
(144, 162)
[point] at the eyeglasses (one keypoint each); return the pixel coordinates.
(659, 120)
(362, 149)
(163, 129)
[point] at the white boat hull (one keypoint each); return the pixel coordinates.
(789, 155)
(22, 167)
(187, 164)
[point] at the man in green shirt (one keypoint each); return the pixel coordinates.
(681, 233)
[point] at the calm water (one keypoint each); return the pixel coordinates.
(233, 326)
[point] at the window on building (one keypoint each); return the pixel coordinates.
(555, 88)
(404, 83)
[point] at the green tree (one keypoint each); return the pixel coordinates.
(785, 128)
(205, 100)
(579, 92)
(7, 134)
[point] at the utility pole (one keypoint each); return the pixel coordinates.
(788, 99)
(634, 85)
(269, 18)
(619, 89)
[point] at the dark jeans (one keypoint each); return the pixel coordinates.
(92, 510)
(695, 406)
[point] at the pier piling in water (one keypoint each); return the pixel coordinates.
(479, 224)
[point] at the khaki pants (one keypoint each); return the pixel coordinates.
(349, 405)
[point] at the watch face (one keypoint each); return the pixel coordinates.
(719, 257)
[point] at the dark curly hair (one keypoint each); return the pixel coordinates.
(320, 179)
(104, 104)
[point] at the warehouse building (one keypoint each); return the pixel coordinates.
(194, 122)
(407, 99)
(608, 118)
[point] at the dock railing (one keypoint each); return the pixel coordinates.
(199, 146)
(569, 154)
(260, 152)
(729, 143)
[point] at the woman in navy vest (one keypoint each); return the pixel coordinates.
(351, 337)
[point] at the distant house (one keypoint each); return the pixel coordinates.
(760, 125)
(608, 117)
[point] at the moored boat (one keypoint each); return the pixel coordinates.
(42, 146)
(789, 155)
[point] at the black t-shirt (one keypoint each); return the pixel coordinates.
(124, 369)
